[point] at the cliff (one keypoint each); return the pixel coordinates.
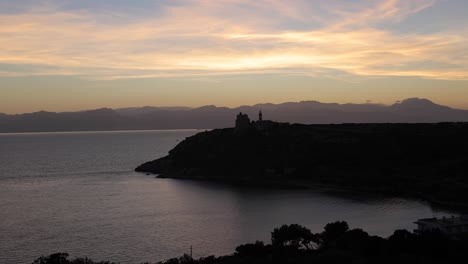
(428, 160)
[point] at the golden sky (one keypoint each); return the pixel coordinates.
(72, 55)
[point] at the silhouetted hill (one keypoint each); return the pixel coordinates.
(100, 119)
(418, 110)
(135, 111)
(307, 112)
(423, 160)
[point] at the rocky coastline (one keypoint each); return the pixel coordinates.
(428, 161)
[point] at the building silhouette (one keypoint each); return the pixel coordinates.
(454, 227)
(242, 123)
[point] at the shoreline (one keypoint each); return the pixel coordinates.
(420, 161)
(460, 208)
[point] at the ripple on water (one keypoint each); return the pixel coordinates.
(77, 193)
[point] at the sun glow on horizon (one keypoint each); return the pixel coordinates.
(95, 45)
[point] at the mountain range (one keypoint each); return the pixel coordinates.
(413, 110)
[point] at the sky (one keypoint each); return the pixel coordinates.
(69, 55)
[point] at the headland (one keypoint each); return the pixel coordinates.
(427, 161)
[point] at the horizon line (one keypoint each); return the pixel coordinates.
(229, 107)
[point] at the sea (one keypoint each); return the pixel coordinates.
(77, 192)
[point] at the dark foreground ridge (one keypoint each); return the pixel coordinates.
(420, 160)
(295, 244)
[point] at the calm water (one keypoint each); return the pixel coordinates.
(77, 193)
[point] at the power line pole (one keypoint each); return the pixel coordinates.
(191, 256)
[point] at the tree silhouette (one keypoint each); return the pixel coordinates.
(293, 236)
(332, 232)
(252, 250)
(56, 258)
(62, 258)
(355, 239)
(295, 244)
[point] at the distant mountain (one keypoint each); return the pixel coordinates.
(3, 118)
(99, 119)
(133, 111)
(413, 110)
(423, 110)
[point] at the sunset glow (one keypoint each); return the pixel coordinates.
(316, 48)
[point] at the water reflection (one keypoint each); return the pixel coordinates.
(83, 198)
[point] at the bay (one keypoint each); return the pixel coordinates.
(76, 192)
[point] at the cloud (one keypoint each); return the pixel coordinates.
(210, 38)
(386, 10)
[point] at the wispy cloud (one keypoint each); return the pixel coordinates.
(206, 38)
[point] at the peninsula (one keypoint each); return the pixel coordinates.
(429, 161)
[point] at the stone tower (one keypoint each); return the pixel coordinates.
(242, 123)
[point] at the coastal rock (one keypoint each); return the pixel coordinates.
(429, 160)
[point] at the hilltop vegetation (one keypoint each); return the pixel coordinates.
(423, 160)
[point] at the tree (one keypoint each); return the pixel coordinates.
(56, 258)
(256, 249)
(293, 236)
(333, 231)
(355, 239)
(401, 241)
